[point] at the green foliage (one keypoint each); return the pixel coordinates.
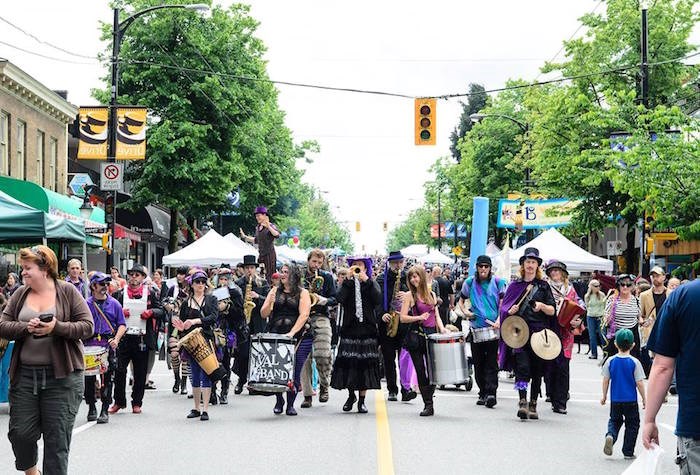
(476, 101)
(414, 230)
(318, 227)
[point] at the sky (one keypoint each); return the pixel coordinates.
(368, 169)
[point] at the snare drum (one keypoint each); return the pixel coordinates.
(480, 335)
(96, 359)
(447, 363)
(271, 366)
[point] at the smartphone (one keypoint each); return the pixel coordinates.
(45, 318)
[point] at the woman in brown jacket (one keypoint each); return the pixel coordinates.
(47, 318)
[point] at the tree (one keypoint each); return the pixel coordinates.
(414, 230)
(211, 131)
(476, 101)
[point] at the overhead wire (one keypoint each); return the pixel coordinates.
(39, 40)
(53, 58)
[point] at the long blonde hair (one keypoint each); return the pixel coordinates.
(538, 275)
(423, 292)
(593, 291)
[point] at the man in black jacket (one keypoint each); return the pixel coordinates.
(143, 312)
(231, 321)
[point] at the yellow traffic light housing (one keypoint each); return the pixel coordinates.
(649, 245)
(357, 226)
(425, 114)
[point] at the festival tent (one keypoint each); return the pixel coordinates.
(20, 223)
(553, 245)
(435, 257)
(246, 248)
(415, 250)
(491, 249)
(209, 250)
(294, 254)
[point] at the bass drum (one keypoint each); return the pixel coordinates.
(447, 363)
(271, 364)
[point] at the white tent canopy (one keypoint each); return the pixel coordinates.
(209, 250)
(246, 248)
(491, 249)
(294, 254)
(415, 250)
(435, 257)
(553, 245)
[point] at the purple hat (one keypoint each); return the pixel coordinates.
(198, 274)
(100, 277)
(260, 210)
(531, 253)
(366, 260)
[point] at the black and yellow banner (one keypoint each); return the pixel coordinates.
(131, 133)
(92, 143)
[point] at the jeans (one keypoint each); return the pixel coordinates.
(595, 336)
(626, 413)
(485, 356)
(688, 455)
(41, 405)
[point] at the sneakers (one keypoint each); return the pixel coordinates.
(559, 410)
(522, 409)
(408, 395)
(630, 457)
(204, 416)
(532, 411)
(150, 385)
(392, 397)
(194, 413)
(490, 401)
(481, 401)
(607, 448)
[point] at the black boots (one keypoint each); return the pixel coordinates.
(361, 408)
(92, 413)
(407, 395)
(183, 385)
(279, 405)
(176, 386)
(239, 387)
(291, 396)
(426, 393)
(532, 410)
(347, 407)
(104, 415)
(307, 402)
(223, 397)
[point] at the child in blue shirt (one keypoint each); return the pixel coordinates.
(626, 373)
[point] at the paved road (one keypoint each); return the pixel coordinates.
(460, 438)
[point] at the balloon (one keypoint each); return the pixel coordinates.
(290, 241)
(295, 239)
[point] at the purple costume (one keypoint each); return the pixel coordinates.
(114, 313)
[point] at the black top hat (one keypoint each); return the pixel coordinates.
(483, 260)
(137, 268)
(531, 253)
(395, 256)
(554, 264)
(250, 260)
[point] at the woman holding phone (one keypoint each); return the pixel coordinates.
(47, 318)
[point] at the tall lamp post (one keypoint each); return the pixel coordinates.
(118, 30)
(526, 129)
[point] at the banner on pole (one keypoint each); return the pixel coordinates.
(537, 214)
(92, 142)
(131, 133)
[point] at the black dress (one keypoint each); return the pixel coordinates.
(356, 366)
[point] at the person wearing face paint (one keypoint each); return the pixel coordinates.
(47, 318)
(110, 327)
(538, 309)
(136, 343)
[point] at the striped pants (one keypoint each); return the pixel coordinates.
(321, 328)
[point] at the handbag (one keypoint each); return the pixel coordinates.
(415, 337)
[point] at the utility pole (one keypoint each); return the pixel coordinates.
(439, 246)
(644, 88)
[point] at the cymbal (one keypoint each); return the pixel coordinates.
(546, 344)
(514, 331)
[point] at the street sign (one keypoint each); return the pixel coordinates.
(111, 176)
(77, 183)
(614, 248)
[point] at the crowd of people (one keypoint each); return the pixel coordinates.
(352, 324)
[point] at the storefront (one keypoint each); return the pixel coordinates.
(56, 204)
(152, 226)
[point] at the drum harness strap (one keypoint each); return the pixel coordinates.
(102, 314)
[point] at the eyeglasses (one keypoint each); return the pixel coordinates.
(626, 284)
(133, 274)
(595, 285)
(199, 281)
(483, 266)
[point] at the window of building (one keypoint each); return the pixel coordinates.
(40, 137)
(21, 150)
(4, 143)
(53, 163)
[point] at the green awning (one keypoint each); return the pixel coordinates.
(51, 202)
(20, 222)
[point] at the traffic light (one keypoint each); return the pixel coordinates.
(385, 226)
(425, 114)
(357, 226)
(105, 243)
(649, 246)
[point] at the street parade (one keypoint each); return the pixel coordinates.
(221, 264)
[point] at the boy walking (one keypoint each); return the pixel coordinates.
(625, 372)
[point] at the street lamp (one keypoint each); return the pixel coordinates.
(525, 128)
(118, 30)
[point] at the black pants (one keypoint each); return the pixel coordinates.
(43, 406)
(529, 367)
(418, 357)
(485, 356)
(226, 364)
(130, 351)
(626, 413)
(391, 347)
(107, 382)
(558, 384)
(241, 356)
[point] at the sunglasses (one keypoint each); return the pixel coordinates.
(626, 284)
(102, 284)
(595, 285)
(199, 281)
(483, 266)
(133, 274)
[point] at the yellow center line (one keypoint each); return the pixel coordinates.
(385, 458)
